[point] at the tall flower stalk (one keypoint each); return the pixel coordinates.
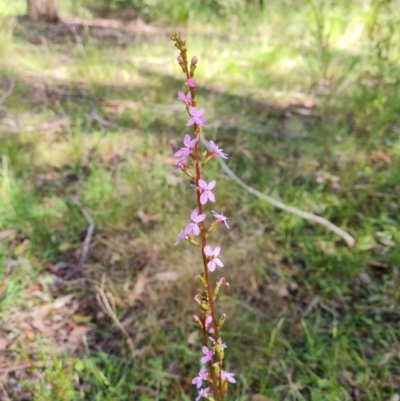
(212, 381)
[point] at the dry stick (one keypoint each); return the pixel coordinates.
(89, 232)
(350, 241)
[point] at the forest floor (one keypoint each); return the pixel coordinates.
(89, 211)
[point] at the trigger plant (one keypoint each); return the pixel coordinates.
(212, 380)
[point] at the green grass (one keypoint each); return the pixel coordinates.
(310, 95)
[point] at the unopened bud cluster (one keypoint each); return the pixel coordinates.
(212, 381)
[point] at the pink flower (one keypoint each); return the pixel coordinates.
(189, 144)
(198, 381)
(181, 235)
(203, 393)
(207, 355)
(228, 376)
(212, 256)
(196, 219)
(220, 218)
(206, 193)
(190, 83)
(217, 151)
(180, 165)
(185, 99)
(197, 116)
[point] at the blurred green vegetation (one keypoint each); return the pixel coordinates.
(303, 96)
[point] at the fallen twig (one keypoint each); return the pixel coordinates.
(350, 241)
(89, 232)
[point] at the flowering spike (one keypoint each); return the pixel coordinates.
(210, 325)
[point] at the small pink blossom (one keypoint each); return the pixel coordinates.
(207, 355)
(180, 59)
(203, 393)
(217, 151)
(212, 256)
(179, 165)
(194, 60)
(197, 116)
(228, 376)
(196, 318)
(220, 218)
(189, 145)
(205, 190)
(198, 380)
(187, 99)
(196, 219)
(190, 83)
(181, 235)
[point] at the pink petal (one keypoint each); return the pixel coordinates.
(211, 265)
(186, 140)
(200, 112)
(211, 196)
(202, 184)
(200, 218)
(192, 111)
(213, 145)
(188, 229)
(196, 229)
(217, 250)
(190, 122)
(181, 96)
(204, 197)
(194, 214)
(218, 262)
(208, 320)
(192, 143)
(211, 185)
(179, 153)
(208, 250)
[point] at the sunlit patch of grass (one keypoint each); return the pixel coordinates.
(301, 325)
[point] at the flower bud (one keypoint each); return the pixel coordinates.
(217, 369)
(201, 278)
(197, 320)
(194, 60)
(221, 321)
(180, 59)
(190, 83)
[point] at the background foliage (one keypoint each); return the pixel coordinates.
(303, 96)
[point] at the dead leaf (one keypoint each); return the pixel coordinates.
(29, 334)
(7, 234)
(3, 344)
(193, 337)
(166, 276)
(173, 180)
(260, 397)
(62, 301)
(283, 292)
(146, 218)
(77, 333)
(139, 287)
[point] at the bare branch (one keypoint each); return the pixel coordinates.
(350, 241)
